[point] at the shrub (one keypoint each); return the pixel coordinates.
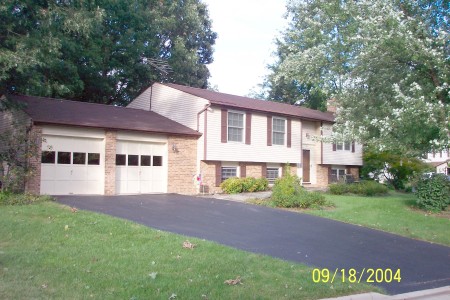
(287, 192)
(237, 185)
(7, 198)
(433, 193)
(366, 188)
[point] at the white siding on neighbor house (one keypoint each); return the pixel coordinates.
(340, 157)
(438, 156)
(171, 103)
(257, 151)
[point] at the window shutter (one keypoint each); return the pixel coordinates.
(243, 168)
(353, 146)
(288, 140)
(269, 131)
(224, 125)
(264, 170)
(218, 174)
(248, 129)
(334, 146)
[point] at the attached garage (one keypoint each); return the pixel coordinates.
(100, 149)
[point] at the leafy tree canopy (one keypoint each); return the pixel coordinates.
(387, 64)
(102, 51)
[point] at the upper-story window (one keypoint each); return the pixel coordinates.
(278, 131)
(343, 146)
(235, 127)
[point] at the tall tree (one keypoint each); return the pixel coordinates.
(103, 51)
(385, 62)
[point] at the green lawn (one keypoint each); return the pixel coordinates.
(48, 251)
(394, 213)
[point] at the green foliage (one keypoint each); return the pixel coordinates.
(18, 147)
(392, 54)
(288, 193)
(366, 188)
(433, 193)
(7, 198)
(396, 169)
(102, 51)
(237, 185)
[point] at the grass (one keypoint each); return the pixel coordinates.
(49, 252)
(395, 213)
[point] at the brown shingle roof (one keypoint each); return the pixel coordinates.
(66, 112)
(254, 104)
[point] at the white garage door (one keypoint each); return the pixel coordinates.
(72, 165)
(140, 167)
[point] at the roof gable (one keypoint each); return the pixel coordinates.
(254, 104)
(75, 113)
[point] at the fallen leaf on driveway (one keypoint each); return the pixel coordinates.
(234, 281)
(188, 245)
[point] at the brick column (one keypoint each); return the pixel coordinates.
(33, 182)
(182, 165)
(110, 162)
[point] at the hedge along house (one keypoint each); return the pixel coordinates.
(99, 149)
(247, 137)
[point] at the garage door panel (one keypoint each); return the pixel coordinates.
(144, 178)
(74, 177)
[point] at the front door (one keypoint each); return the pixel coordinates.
(306, 166)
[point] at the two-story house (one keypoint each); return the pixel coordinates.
(440, 160)
(247, 137)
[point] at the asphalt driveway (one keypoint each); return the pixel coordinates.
(290, 236)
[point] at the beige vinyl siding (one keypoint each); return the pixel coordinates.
(257, 151)
(171, 103)
(340, 157)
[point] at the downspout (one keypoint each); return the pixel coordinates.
(199, 113)
(321, 143)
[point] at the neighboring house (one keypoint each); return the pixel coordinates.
(246, 137)
(439, 160)
(100, 149)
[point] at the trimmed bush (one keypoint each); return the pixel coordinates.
(433, 193)
(366, 188)
(237, 185)
(287, 192)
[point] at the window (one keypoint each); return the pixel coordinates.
(94, 159)
(278, 130)
(157, 161)
(48, 157)
(337, 175)
(145, 160)
(343, 146)
(64, 158)
(79, 158)
(133, 160)
(228, 172)
(272, 174)
(235, 127)
(121, 159)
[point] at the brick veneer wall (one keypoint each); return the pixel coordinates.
(182, 165)
(33, 183)
(208, 171)
(110, 162)
(322, 175)
(355, 172)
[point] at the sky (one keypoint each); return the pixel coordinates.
(246, 32)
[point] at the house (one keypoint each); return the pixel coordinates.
(247, 137)
(439, 160)
(99, 149)
(176, 139)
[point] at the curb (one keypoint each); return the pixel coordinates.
(442, 293)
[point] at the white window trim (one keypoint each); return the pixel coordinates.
(279, 172)
(285, 131)
(243, 125)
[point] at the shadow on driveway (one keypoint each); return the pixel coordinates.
(302, 238)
